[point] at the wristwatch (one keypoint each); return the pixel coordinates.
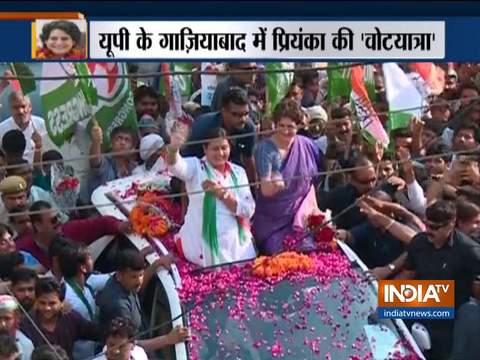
(391, 267)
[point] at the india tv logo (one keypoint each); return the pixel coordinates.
(416, 299)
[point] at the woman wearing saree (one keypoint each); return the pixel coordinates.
(286, 164)
(216, 229)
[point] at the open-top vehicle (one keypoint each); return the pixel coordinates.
(313, 306)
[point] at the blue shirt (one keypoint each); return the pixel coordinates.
(239, 147)
(105, 172)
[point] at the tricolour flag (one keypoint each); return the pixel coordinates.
(404, 100)
(340, 84)
(366, 114)
(23, 70)
(433, 75)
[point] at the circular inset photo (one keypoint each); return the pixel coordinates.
(60, 39)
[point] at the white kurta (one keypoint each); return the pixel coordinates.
(37, 123)
(158, 167)
(191, 170)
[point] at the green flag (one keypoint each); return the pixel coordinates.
(63, 102)
(86, 83)
(115, 105)
(277, 83)
(340, 83)
(184, 82)
(22, 69)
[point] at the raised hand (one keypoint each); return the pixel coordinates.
(96, 133)
(37, 139)
(178, 136)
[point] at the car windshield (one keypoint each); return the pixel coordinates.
(295, 319)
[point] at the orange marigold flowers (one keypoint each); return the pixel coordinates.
(146, 222)
(282, 264)
(152, 214)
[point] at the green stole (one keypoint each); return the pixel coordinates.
(209, 228)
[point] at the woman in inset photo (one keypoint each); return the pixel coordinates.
(61, 40)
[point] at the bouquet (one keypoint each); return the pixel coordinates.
(318, 225)
(154, 214)
(65, 186)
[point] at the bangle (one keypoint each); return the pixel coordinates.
(389, 225)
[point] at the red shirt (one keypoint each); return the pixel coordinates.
(83, 231)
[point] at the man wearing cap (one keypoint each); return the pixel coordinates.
(242, 81)
(318, 119)
(151, 147)
(13, 190)
(9, 320)
(34, 193)
(147, 125)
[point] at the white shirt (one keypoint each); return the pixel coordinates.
(322, 143)
(36, 123)
(84, 349)
(158, 167)
(136, 354)
(24, 344)
(191, 170)
(416, 200)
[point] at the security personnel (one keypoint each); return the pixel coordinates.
(14, 194)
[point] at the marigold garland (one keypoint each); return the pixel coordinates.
(150, 215)
(282, 264)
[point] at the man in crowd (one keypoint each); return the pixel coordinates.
(9, 321)
(234, 118)
(243, 81)
(120, 163)
(19, 221)
(59, 327)
(120, 298)
(23, 120)
(151, 109)
(441, 253)
(311, 88)
(361, 181)
(22, 282)
(14, 195)
(339, 129)
(76, 265)
(14, 145)
(8, 348)
(34, 193)
(47, 225)
(120, 344)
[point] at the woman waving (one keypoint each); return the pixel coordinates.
(286, 164)
(216, 228)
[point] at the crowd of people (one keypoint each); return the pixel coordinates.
(410, 211)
